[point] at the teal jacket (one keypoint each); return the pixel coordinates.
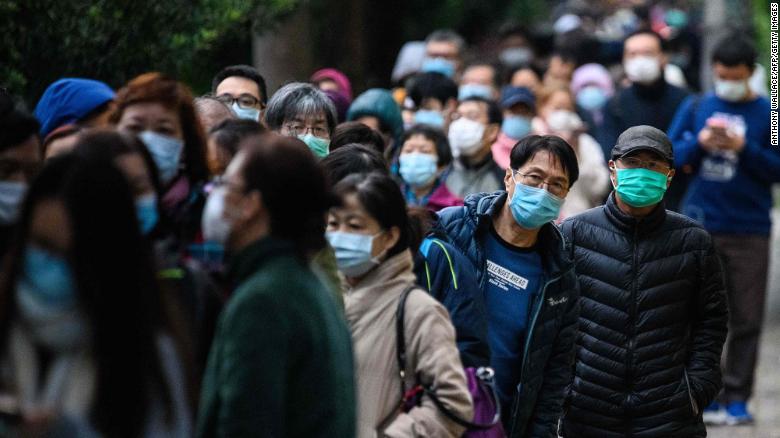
(281, 361)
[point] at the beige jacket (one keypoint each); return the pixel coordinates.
(431, 353)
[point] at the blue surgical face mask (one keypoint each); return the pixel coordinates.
(429, 117)
(591, 98)
(533, 207)
(417, 169)
(475, 90)
(146, 212)
(11, 197)
(245, 113)
(319, 146)
(438, 65)
(47, 302)
(353, 252)
(516, 127)
(166, 152)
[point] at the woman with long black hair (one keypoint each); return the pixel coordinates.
(86, 346)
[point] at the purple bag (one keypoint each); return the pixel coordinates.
(487, 409)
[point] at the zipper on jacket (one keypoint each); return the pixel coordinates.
(632, 330)
(529, 334)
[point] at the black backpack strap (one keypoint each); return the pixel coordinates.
(400, 340)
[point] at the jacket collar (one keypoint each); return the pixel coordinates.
(654, 91)
(251, 258)
(482, 207)
(629, 224)
(381, 285)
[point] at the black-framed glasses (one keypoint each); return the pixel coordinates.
(654, 165)
(556, 188)
(296, 129)
(245, 101)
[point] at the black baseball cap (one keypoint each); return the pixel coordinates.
(643, 138)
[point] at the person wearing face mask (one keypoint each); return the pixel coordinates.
(527, 280)
(480, 80)
(471, 135)
(724, 139)
(159, 110)
(557, 116)
(89, 346)
(444, 53)
(592, 87)
(184, 282)
(281, 361)
(433, 99)
(654, 309)
(301, 110)
(242, 88)
(519, 106)
(19, 160)
(423, 165)
(516, 46)
(370, 234)
(649, 100)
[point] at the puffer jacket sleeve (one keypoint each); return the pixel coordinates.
(430, 344)
(453, 283)
(558, 372)
(708, 332)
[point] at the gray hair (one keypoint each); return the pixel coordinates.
(447, 36)
(299, 100)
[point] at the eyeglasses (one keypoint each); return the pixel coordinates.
(245, 101)
(636, 163)
(557, 188)
(296, 129)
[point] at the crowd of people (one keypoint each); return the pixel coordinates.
(531, 247)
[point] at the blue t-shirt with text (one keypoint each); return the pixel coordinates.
(514, 275)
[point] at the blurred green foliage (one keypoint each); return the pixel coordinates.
(114, 40)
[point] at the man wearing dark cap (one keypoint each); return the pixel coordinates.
(519, 107)
(653, 305)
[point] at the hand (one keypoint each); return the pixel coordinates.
(733, 142)
(711, 140)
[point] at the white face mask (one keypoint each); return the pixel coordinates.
(643, 69)
(216, 228)
(564, 121)
(465, 137)
(732, 91)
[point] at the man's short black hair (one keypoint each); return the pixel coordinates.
(229, 133)
(351, 159)
(526, 148)
(735, 50)
(493, 110)
(431, 85)
(661, 41)
(243, 71)
(356, 132)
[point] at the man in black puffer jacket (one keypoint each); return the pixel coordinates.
(527, 280)
(653, 306)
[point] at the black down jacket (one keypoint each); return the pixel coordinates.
(652, 325)
(546, 366)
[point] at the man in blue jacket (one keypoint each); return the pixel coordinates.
(724, 139)
(527, 280)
